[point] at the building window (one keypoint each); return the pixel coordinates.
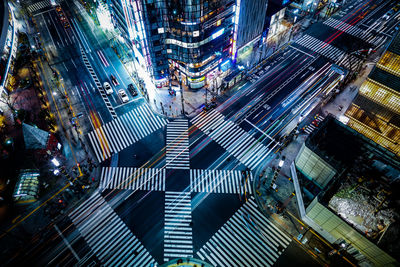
(380, 94)
(394, 102)
(160, 30)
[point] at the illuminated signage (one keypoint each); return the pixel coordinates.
(218, 33)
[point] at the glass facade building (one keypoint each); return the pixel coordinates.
(375, 112)
(8, 44)
(186, 38)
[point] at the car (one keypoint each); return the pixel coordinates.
(388, 14)
(107, 88)
(114, 80)
(122, 94)
(132, 90)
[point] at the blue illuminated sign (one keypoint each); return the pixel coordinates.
(218, 33)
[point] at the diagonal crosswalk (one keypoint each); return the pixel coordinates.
(107, 235)
(177, 150)
(120, 133)
(220, 181)
(178, 240)
(151, 179)
(231, 137)
(347, 28)
(248, 238)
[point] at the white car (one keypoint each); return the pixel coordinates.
(122, 94)
(107, 88)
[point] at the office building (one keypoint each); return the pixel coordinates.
(251, 24)
(349, 187)
(375, 112)
(8, 44)
(188, 40)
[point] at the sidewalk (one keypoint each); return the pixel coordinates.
(281, 205)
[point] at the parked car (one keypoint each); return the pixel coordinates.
(114, 80)
(132, 90)
(122, 94)
(107, 88)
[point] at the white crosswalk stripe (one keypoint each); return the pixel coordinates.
(319, 118)
(150, 179)
(177, 150)
(38, 6)
(320, 47)
(310, 127)
(230, 136)
(120, 133)
(220, 181)
(178, 240)
(107, 235)
(248, 238)
(347, 28)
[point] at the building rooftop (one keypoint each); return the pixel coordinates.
(341, 146)
(366, 191)
(374, 108)
(383, 77)
(395, 44)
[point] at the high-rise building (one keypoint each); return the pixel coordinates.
(251, 21)
(346, 188)
(8, 44)
(375, 112)
(181, 38)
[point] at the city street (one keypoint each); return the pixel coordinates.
(180, 188)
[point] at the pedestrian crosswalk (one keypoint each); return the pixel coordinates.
(248, 238)
(120, 133)
(311, 127)
(38, 6)
(230, 136)
(151, 179)
(320, 47)
(220, 181)
(107, 235)
(177, 149)
(178, 240)
(347, 28)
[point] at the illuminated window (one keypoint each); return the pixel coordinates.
(380, 94)
(365, 89)
(160, 30)
(394, 102)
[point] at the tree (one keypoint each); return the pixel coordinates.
(10, 101)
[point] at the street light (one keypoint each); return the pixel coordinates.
(281, 162)
(55, 162)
